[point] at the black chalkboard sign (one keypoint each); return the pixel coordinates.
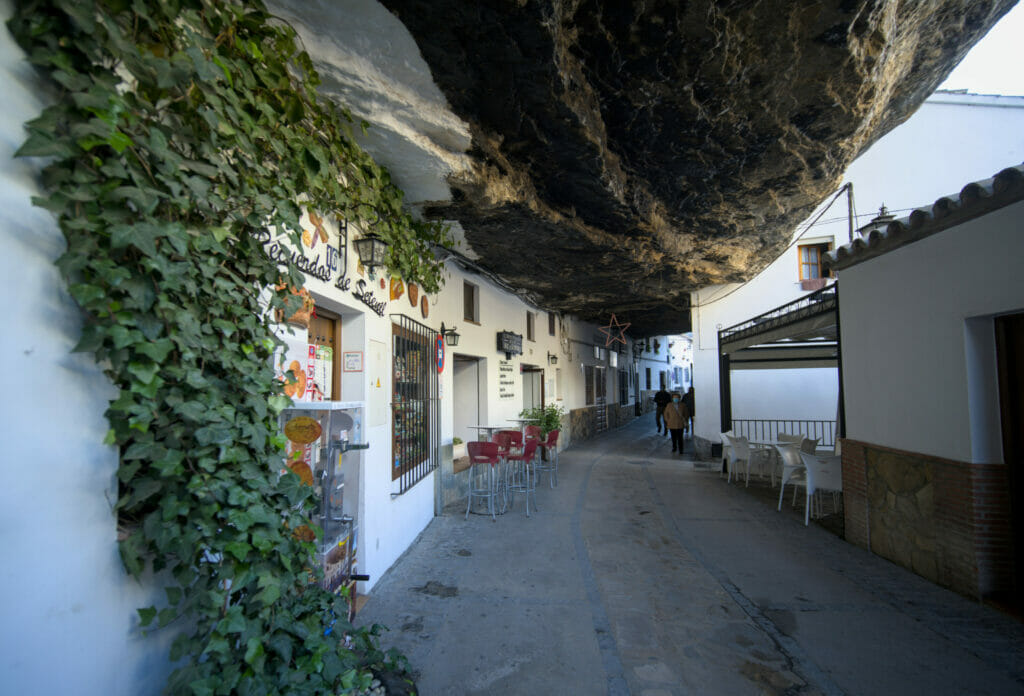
(510, 343)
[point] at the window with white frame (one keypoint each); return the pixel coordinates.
(551, 323)
(531, 322)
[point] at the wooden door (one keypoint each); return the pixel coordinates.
(325, 330)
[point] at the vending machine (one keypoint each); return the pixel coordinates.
(325, 444)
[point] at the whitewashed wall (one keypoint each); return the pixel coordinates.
(69, 623)
(951, 140)
(501, 310)
(757, 394)
(928, 387)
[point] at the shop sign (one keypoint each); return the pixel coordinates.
(510, 344)
(439, 342)
(316, 258)
(364, 293)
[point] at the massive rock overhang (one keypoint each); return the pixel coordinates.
(611, 156)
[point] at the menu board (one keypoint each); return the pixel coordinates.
(506, 380)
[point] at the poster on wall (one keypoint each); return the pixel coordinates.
(506, 380)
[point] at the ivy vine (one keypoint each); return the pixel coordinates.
(179, 130)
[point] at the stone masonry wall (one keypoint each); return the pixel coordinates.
(947, 521)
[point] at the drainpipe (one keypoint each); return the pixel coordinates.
(849, 206)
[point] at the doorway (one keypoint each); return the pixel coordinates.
(468, 402)
(1010, 361)
(533, 387)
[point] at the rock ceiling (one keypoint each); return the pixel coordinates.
(611, 156)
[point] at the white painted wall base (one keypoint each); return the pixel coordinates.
(69, 622)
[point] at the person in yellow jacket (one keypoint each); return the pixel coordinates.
(676, 418)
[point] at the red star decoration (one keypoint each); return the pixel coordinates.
(607, 331)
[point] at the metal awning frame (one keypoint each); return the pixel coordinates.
(802, 333)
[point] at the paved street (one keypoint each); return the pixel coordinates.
(642, 574)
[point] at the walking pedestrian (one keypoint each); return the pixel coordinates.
(676, 417)
(690, 408)
(661, 400)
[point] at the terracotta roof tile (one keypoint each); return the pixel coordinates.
(974, 200)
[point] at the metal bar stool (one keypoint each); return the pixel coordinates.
(503, 438)
(483, 483)
(514, 440)
(522, 476)
(550, 447)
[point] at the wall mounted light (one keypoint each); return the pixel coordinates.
(552, 359)
(372, 250)
(451, 336)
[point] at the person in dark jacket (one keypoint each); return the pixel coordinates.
(676, 417)
(688, 401)
(661, 400)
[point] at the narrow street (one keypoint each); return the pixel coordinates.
(643, 574)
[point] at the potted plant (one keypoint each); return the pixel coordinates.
(547, 417)
(458, 448)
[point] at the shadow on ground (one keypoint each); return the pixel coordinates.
(761, 490)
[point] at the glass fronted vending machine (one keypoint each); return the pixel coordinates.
(325, 443)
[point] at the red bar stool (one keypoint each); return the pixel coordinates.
(483, 483)
(503, 438)
(550, 446)
(515, 438)
(522, 474)
(533, 432)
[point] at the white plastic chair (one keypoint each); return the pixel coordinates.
(726, 448)
(785, 437)
(808, 445)
(739, 452)
(792, 469)
(823, 474)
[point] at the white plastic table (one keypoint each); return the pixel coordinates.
(489, 430)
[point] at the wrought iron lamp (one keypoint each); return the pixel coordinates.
(451, 336)
(552, 359)
(372, 250)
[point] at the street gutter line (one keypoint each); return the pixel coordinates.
(801, 663)
(617, 685)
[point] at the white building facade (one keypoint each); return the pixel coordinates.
(933, 329)
(953, 137)
(65, 592)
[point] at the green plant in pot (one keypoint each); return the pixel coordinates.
(547, 417)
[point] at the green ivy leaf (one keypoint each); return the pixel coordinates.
(146, 616)
(238, 549)
(144, 372)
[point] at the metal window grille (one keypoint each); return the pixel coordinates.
(601, 400)
(416, 418)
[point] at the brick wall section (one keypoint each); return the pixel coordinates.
(855, 494)
(956, 559)
(973, 542)
(992, 532)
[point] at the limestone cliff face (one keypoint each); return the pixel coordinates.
(624, 153)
